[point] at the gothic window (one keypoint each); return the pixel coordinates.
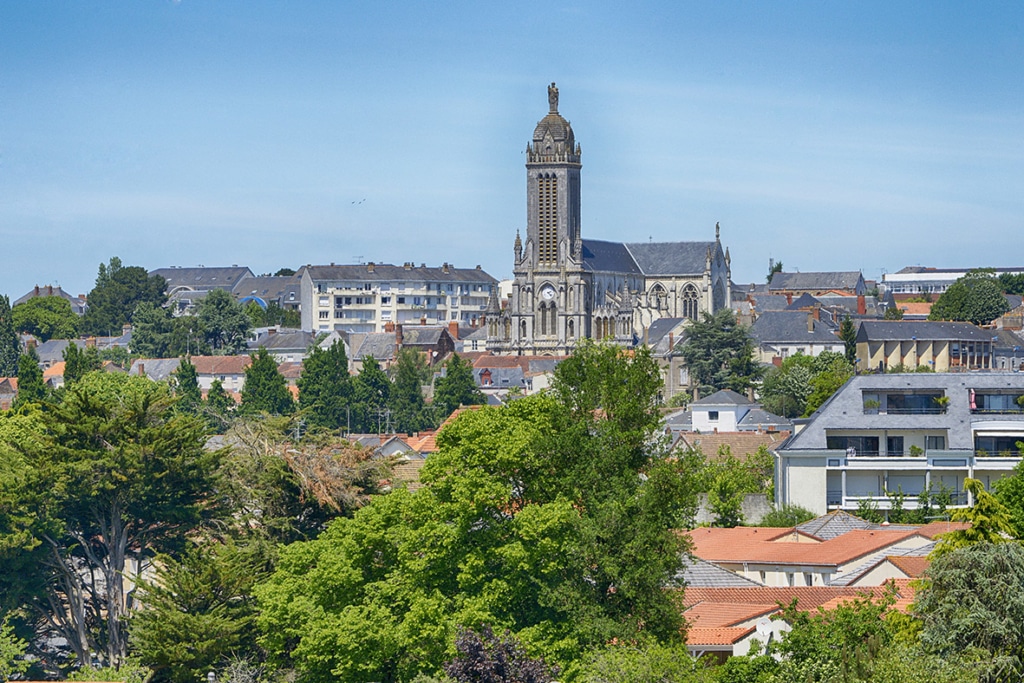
(522, 330)
(547, 219)
(553, 322)
(508, 330)
(543, 320)
(657, 297)
(570, 329)
(690, 307)
(572, 299)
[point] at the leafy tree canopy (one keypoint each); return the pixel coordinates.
(46, 317)
(976, 297)
(534, 517)
(325, 387)
(118, 292)
(456, 387)
(223, 323)
(265, 389)
(720, 354)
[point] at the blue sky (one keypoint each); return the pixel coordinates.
(827, 135)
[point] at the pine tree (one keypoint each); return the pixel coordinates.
(218, 403)
(9, 345)
(325, 387)
(456, 387)
(408, 408)
(31, 387)
(848, 333)
(265, 388)
(78, 362)
(372, 393)
(186, 388)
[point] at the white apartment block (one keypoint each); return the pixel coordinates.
(367, 297)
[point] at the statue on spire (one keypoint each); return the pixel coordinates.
(552, 98)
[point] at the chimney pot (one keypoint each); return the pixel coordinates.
(399, 336)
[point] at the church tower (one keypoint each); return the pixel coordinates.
(546, 312)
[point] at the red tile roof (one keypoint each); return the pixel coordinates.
(221, 365)
(911, 565)
(716, 636)
(808, 597)
(746, 544)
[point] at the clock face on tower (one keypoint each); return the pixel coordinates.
(547, 292)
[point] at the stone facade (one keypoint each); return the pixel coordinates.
(566, 288)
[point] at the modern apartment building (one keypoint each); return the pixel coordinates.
(367, 297)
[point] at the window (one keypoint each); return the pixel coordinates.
(547, 219)
(894, 446)
(401, 299)
(808, 579)
(712, 415)
(324, 315)
(385, 301)
(935, 443)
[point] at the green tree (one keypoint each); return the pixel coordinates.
(408, 409)
(726, 502)
(118, 475)
(774, 268)
(1010, 492)
(989, 521)
(199, 609)
(787, 516)
(830, 372)
(720, 354)
(10, 346)
(641, 662)
(223, 322)
(78, 362)
(265, 389)
(46, 317)
(1012, 283)
(977, 297)
(786, 388)
(973, 597)
(325, 387)
(118, 292)
(218, 405)
(12, 652)
(894, 313)
(31, 387)
(186, 388)
(848, 333)
(372, 394)
(533, 517)
(456, 387)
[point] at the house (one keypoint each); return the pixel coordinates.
(780, 334)
(939, 346)
(725, 411)
(663, 337)
(919, 433)
(186, 287)
(434, 342)
(282, 290)
(230, 370)
(817, 284)
(157, 369)
(8, 392)
(284, 344)
(78, 303)
(367, 297)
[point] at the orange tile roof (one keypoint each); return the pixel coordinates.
(808, 597)
(911, 565)
(915, 307)
(739, 443)
(744, 544)
(722, 614)
(716, 636)
(221, 365)
(55, 370)
(12, 382)
(933, 529)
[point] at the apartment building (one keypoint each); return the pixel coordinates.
(367, 297)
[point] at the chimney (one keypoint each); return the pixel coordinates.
(444, 267)
(271, 331)
(49, 290)
(789, 298)
(453, 328)
(817, 312)
(671, 341)
(862, 307)
(810, 321)
(399, 336)
(369, 267)
(90, 343)
(126, 328)
(35, 292)
(389, 326)
(30, 344)
(142, 369)
(407, 265)
(423, 320)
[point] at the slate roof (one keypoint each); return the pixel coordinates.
(671, 258)
(805, 300)
(658, 333)
(380, 345)
(790, 327)
(760, 419)
(724, 397)
(386, 272)
(698, 572)
(904, 330)
(284, 340)
(845, 408)
(421, 335)
(202, 278)
(770, 302)
(157, 369)
(78, 304)
(608, 257)
(269, 288)
(814, 281)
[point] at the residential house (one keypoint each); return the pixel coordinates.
(186, 287)
(230, 370)
(365, 298)
(78, 303)
(283, 290)
(817, 284)
(8, 392)
(940, 346)
(915, 433)
(284, 344)
(780, 334)
(663, 337)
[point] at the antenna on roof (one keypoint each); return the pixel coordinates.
(358, 259)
